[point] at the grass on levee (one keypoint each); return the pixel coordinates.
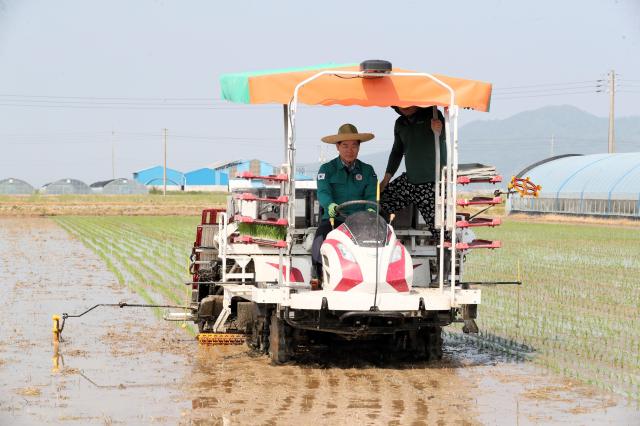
(174, 203)
(172, 197)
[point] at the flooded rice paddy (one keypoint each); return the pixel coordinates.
(126, 366)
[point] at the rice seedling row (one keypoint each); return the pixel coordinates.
(123, 246)
(580, 301)
(576, 313)
(143, 251)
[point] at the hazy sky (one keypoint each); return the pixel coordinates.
(77, 76)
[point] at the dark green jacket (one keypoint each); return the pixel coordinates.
(414, 139)
(336, 185)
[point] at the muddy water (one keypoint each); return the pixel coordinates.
(126, 366)
(113, 364)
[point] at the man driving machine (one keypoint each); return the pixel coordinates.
(342, 179)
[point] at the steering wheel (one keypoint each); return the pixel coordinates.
(353, 203)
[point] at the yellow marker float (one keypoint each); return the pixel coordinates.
(56, 328)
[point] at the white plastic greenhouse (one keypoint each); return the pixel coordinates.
(593, 185)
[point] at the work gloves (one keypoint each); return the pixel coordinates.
(332, 210)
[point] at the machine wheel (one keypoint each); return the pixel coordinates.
(279, 339)
(434, 342)
(259, 328)
(210, 308)
(256, 340)
(426, 343)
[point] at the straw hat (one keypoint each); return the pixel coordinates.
(348, 132)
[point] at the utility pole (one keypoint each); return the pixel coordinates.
(552, 143)
(321, 154)
(113, 154)
(164, 174)
(612, 94)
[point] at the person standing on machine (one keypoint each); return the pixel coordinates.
(414, 139)
(342, 179)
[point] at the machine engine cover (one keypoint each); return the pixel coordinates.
(349, 257)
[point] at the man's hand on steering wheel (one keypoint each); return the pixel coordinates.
(332, 210)
(339, 208)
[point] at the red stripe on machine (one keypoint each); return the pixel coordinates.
(396, 272)
(295, 276)
(351, 273)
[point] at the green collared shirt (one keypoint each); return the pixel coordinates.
(414, 140)
(338, 184)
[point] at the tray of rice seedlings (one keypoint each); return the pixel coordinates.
(263, 231)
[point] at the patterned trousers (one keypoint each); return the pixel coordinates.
(399, 193)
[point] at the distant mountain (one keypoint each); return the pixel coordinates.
(513, 143)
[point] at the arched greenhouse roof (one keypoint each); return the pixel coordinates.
(597, 176)
(12, 186)
(119, 186)
(66, 186)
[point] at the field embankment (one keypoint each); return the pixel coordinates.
(173, 204)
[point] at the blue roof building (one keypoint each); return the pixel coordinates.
(257, 167)
(598, 184)
(154, 177)
(214, 178)
(300, 176)
(206, 179)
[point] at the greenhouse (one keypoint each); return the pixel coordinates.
(592, 185)
(66, 186)
(119, 186)
(12, 186)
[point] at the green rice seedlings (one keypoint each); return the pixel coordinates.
(260, 230)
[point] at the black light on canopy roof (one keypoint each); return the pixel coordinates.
(375, 66)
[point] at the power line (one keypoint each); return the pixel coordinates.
(43, 139)
(104, 102)
(92, 133)
(207, 137)
(105, 141)
(139, 107)
(506, 97)
(142, 99)
(111, 103)
(134, 106)
(544, 85)
(559, 89)
(543, 93)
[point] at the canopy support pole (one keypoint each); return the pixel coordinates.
(286, 186)
(285, 111)
(452, 156)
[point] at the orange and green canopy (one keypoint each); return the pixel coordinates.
(277, 86)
